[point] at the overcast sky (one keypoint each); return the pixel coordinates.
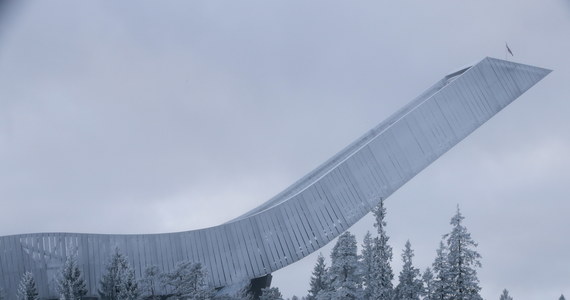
(147, 116)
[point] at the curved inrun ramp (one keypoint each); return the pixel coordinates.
(311, 212)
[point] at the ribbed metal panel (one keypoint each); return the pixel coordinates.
(305, 216)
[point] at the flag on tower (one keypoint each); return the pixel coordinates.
(509, 49)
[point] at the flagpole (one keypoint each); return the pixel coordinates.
(508, 51)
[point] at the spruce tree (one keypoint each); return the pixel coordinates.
(318, 279)
(345, 282)
(410, 285)
(441, 281)
(428, 285)
(382, 275)
(118, 283)
(366, 264)
(562, 297)
(505, 295)
(151, 283)
(27, 288)
(188, 280)
(245, 292)
(272, 293)
(71, 285)
(129, 286)
(462, 260)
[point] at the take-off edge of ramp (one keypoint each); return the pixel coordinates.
(308, 214)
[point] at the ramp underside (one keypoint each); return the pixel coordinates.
(310, 213)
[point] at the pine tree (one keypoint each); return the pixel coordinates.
(462, 261)
(27, 288)
(151, 283)
(366, 264)
(505, 295)
(189, 281)
(245, 292)
(318, 279)
(410, 285)
(441, 282)
(345, 282)
(272, 293)
(428, 285)
(382, 275)
(118, 283)
(71, 285)
(129, 286)
(562, 297)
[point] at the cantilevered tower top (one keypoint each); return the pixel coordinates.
(308, 214)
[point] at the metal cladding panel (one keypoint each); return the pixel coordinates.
(305, 216)
(246, 264)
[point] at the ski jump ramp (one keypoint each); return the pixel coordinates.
(308, 214)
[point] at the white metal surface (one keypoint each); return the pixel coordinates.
(305, 216)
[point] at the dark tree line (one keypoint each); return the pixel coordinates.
(452, 275)
(368, 275)
(187, 281)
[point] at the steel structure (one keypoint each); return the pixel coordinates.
(307, 215)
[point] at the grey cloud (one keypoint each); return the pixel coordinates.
(137, 117)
